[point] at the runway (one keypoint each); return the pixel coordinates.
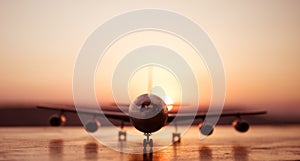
(73, 143)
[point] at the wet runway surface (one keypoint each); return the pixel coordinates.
(73, 143)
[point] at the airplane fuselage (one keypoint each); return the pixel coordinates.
(148, 113)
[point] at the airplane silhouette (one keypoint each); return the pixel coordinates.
(148, 113)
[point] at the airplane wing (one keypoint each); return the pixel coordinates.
(94, 112)
(188, 116)
(92, 126)
(171, 116)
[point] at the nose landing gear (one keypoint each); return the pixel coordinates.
(149, 142)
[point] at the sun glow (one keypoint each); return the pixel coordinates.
(169, 102)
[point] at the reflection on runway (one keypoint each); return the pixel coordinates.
(91, 151)
(72, 143)
(56, 149)
(240, 153)
(158, 155)
(205, 153)
(134, 157)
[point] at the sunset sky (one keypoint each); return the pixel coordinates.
(258, 42)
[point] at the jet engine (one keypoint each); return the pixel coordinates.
(92, 126)
(206, 128)
(240, 125)
(57, 120)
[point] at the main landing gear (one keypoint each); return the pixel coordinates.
(148, 142)
(122, 133)
(176, 138)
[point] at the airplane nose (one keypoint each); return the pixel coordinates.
(146, 106)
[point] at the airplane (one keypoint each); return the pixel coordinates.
(148, 113)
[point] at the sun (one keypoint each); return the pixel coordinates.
(169, 102)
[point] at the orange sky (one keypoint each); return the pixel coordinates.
(258, 42)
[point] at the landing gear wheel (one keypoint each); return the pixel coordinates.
(145, 143)
(151, 143)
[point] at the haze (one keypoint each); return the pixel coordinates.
(258, 42)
